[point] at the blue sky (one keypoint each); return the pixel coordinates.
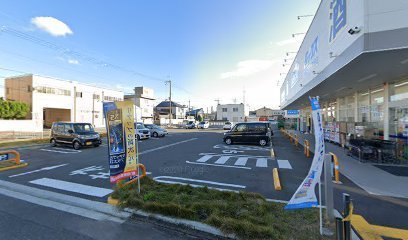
(210, 49)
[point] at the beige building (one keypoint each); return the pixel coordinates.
(144, 99)
(52, 100)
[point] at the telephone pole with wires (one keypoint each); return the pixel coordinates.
(170, 108)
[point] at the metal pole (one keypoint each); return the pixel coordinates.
(346, 208)
(137, 145)
(320, 208)
(328, 184)
(339, 229)
(171, 110)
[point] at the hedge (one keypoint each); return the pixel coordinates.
(13, 110)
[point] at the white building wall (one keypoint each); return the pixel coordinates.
(386, 15)
(230, 115)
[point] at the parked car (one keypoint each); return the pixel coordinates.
(141, 131)
(249, 132)
(227, 126)
(75, 134)
(156, 131)
(191, 125)
(203, 125)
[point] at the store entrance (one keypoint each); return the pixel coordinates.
(399, 128)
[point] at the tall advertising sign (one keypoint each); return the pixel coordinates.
(119, 118)
(305, 196)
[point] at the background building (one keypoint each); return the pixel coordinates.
(232, 112)
(355, 58)
(53, 100)
(144, 99)
(196, 113)
(178, 111)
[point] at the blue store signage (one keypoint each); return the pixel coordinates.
(338, 17)
(4, 157)
(292, 112)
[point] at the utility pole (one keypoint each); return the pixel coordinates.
(189, 105)
(170, 109)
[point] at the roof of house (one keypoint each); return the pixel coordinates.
(195, 111)
(167, 104)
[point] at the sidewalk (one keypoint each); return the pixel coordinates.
(368, 177)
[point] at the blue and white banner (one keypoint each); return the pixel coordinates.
(305, 196)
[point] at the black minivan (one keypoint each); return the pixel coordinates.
(75, 134)
(249, 132)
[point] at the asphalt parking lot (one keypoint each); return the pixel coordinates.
(189, 157)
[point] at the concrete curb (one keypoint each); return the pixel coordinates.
(182, 222)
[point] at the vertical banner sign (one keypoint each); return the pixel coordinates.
(305, 196)
(120, 120)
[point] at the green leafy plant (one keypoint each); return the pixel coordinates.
(13, 110)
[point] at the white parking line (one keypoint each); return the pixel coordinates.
(217, 165)
(166, 146)
(56, 151)
(73, 187)
(284, 164)
(235, 155)
(38, 170)
(204, 158)
(199, 181)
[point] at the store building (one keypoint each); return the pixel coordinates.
(232, 112)
(52, 100)
(355, 58)
(144, 99)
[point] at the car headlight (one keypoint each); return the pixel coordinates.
(82, 136)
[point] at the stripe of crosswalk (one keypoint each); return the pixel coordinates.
(284, 164)
(262, 162)
(222, 160)
(204, 158)
(241, 161)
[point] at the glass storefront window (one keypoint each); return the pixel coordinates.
(399, 91)
(346, 109)
(363, 106)
(377, 101)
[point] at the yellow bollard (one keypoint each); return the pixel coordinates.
(336, 168)
(276, 180)
(304, 147)
(296, 140)
(307, 148)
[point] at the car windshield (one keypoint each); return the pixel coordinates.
(139, 125)
(227, 123)
(202, 122)
(191, 122)
(83, 128)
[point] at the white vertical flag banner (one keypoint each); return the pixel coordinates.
(305, 196)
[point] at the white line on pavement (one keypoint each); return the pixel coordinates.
(166, 146)
(241, 161)
(284, 164)
(49, 150)
(197, 185)
(262, 162)
(38, 170)
(222, 160)
(200, 181)
(72, 187)
(204, 158)
(235, 155)
(217, 165)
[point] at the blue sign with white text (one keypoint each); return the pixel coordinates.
(312, 57)
(4, 157)
(338, 14)
(292, 112)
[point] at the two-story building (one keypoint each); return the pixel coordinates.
(178, 111)
(51, 99)
(232, 112)
(144, 99)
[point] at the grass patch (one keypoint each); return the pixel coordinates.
(247, 215)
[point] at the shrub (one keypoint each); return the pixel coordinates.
(13, 110)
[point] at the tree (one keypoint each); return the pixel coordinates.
(200, 118)
(13, 110)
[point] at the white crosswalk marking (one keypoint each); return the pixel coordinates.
(204, 158)
(241, 161)
(284, 164)
(222, 160)
(262, 162)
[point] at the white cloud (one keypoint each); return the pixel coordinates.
(73, 61)
(52, 26)
(297, 39)
(248, 67)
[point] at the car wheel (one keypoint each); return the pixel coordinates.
(53, 143)
(96, 145)
(77, 145)
(155, 134)
(262, 142)
(228, 141)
